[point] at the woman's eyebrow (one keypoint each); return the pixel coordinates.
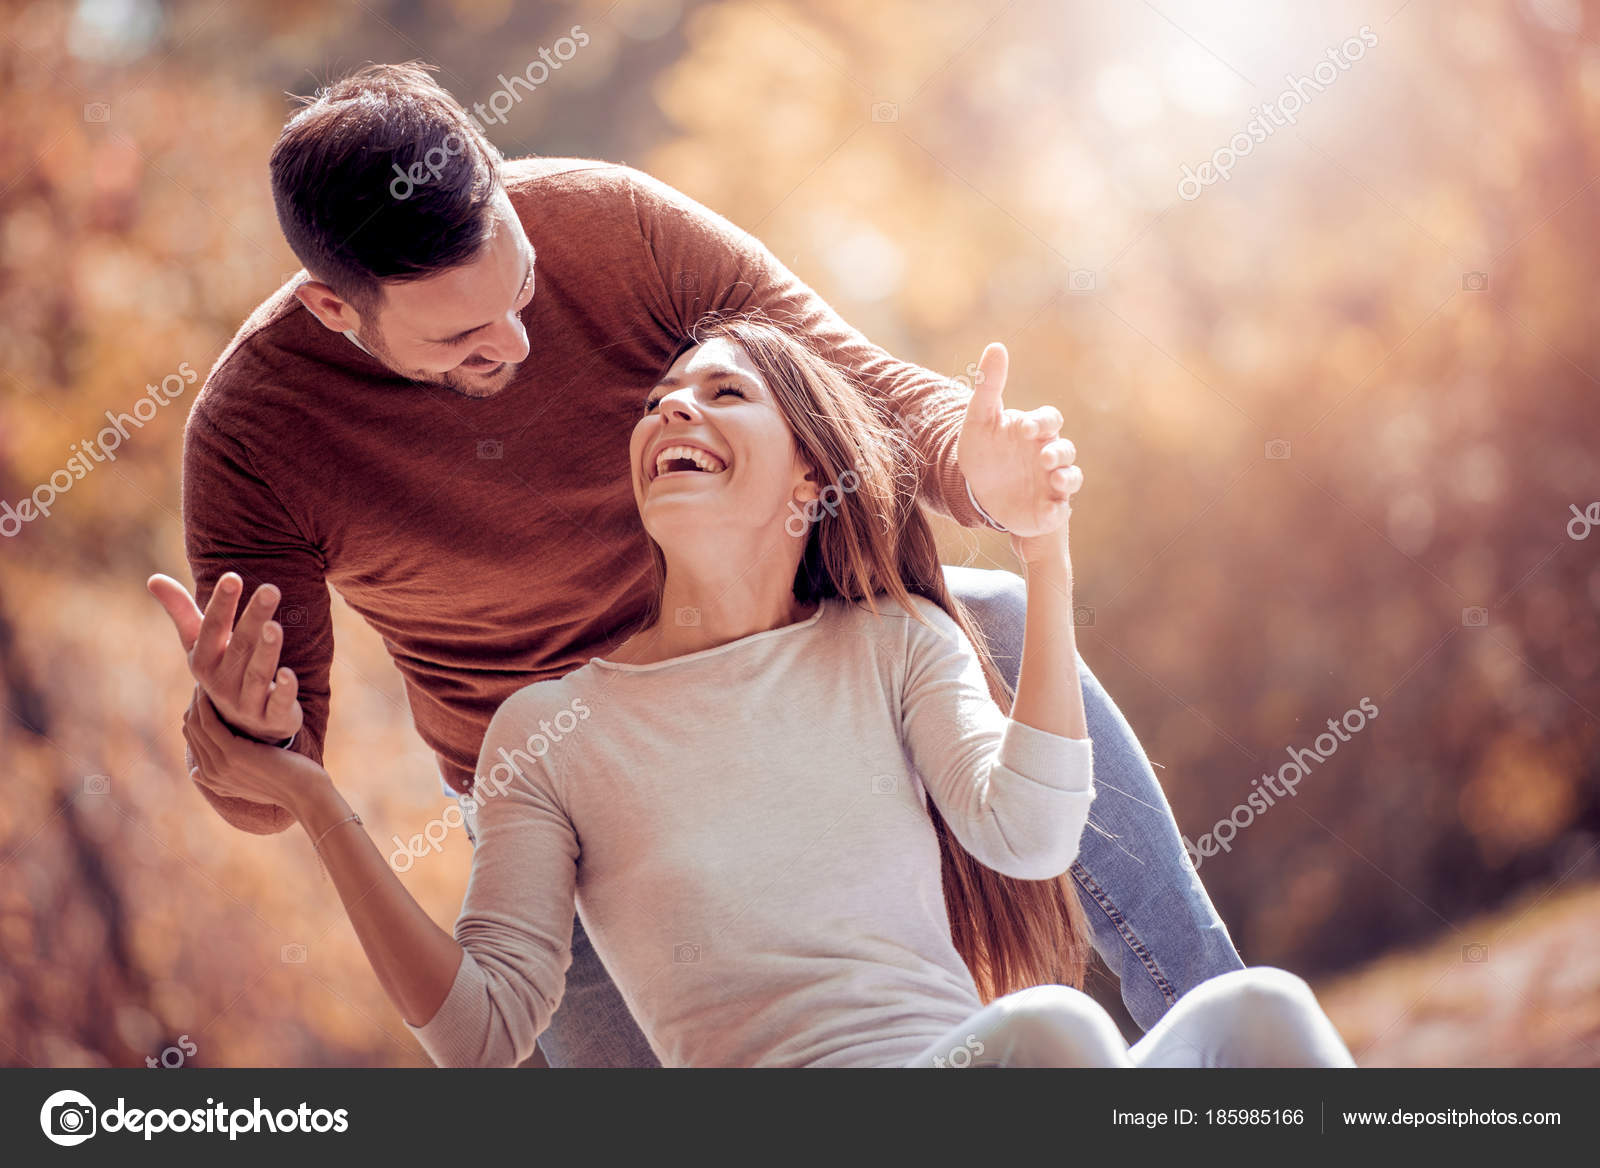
(672, 380)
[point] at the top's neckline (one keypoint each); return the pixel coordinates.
(645, 666)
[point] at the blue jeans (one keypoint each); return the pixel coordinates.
(1149, 917)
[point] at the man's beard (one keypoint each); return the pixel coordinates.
(468, 384)
(455, 380)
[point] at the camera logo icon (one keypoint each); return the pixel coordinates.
(491, 448)
(685, 954)
(292, 616)
(292, 954)
(67, 1118)
(1475, 617)
(1082, 616)
(1474, 281)
(1081, 280)
(885, 111)
(96, 784)
(884, 784)
(1475, 953)
(687, 617)
(688, 281)
(97, 111)
(1278, 448)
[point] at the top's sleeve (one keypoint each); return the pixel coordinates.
(515, 927)
(233, 520)
(1015, 797)
(707, 264)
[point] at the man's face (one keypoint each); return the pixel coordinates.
(461, 329)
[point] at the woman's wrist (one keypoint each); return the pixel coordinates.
(319, 806)
(1044, 555)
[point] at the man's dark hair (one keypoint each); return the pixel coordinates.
(383, 176)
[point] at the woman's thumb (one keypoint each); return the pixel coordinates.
(990, 380)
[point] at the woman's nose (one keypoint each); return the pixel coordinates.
(679, 404)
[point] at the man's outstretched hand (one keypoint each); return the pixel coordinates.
(238, 669)
(1019, 467)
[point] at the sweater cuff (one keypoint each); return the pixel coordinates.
(957, 495)
(447, 1035)
(1067, 764)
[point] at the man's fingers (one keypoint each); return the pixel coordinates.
(256, 685)
(180, 607)
(216, 624)
(245, 640)
(990, 382)
(280, 702)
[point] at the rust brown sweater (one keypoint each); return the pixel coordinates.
(492, 542)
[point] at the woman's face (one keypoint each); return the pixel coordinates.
(714, 453)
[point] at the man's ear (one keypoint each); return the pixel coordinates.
(327, 307)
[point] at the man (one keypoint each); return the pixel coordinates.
(436, 423)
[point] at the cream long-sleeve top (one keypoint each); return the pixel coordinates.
(743, 832)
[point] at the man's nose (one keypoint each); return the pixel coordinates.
(507, 341)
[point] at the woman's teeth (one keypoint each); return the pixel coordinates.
(692, 456)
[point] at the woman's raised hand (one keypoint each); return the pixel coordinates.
(1019, 467)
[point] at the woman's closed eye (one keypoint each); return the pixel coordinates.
(655, 399)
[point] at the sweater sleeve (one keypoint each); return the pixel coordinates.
(1015, 797)
(515, 927)
(234, 521)
(707, 264)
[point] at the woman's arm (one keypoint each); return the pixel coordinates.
(1015, 791)
(1049, 696)
(1014, 796)
(414, 958)
(482, 997)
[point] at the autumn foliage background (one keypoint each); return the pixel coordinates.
(1337, 416)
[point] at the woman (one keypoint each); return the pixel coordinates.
(789, 810)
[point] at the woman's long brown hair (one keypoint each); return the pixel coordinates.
(877, 542)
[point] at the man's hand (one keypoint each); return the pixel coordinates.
(1017, 464)
(237, 667)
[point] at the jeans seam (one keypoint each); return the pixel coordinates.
(1129, 937)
